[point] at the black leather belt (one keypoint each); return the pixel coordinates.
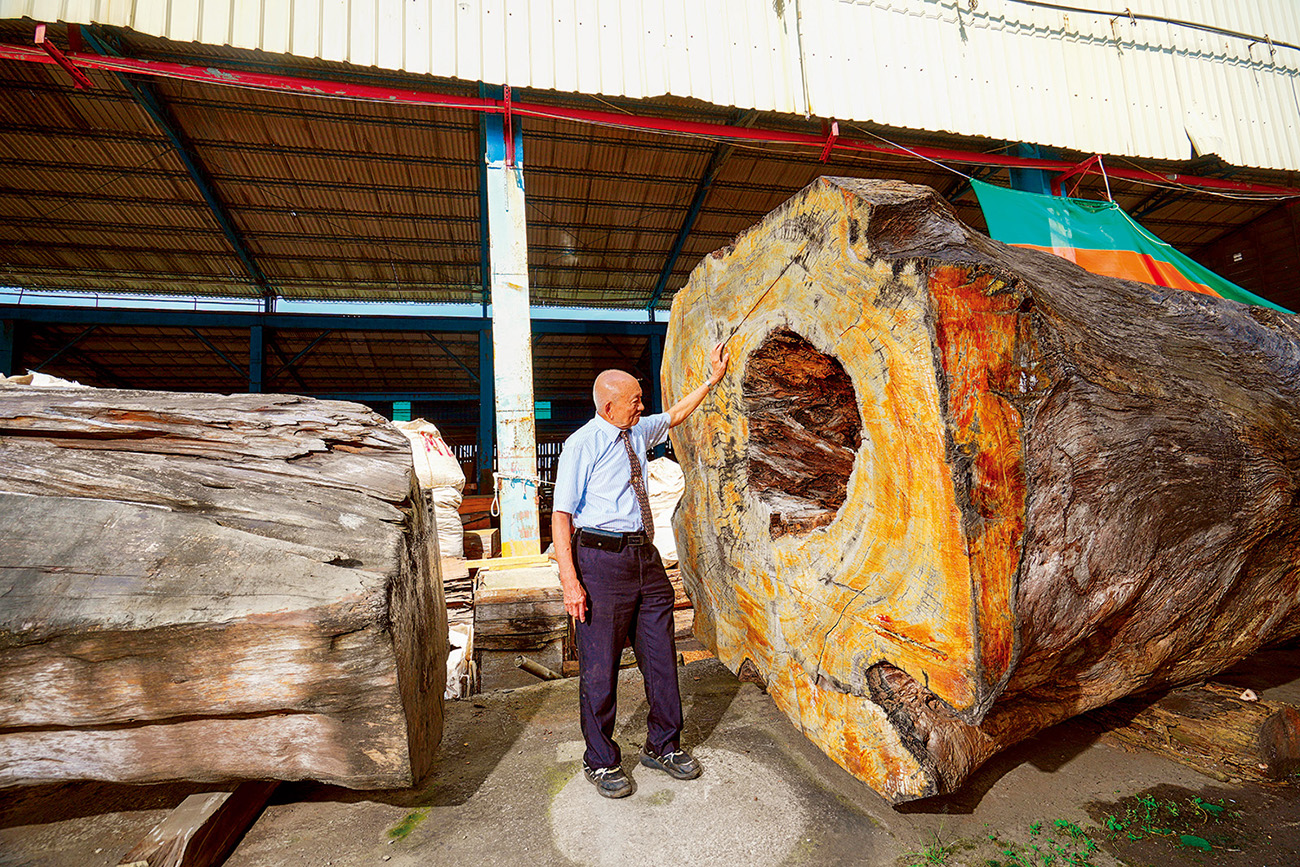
(607, 541)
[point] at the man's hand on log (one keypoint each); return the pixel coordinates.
(575, 595)
(679, 411)
(719, 360)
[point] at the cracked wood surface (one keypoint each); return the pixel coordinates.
(1067, 489)
(211, 588)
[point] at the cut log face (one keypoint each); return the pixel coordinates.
(953, 492)
(213, 588)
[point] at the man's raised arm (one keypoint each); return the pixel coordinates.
(679, 411)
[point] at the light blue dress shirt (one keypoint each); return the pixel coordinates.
(594, 480)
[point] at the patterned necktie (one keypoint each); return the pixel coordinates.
(638, 485)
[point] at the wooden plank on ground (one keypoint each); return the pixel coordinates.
(525, 561)
(203, 830)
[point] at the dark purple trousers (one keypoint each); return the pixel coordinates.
(628, 593)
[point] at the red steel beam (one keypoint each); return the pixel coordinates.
(636, 122)
(831, 135)
(1081, 169)
(78, 77)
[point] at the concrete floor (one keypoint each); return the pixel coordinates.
(507, 789)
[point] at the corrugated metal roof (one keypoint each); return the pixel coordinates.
(994, 68)
(338, 199)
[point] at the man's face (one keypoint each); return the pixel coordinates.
(625, 410)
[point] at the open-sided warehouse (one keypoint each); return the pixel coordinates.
(951, 491)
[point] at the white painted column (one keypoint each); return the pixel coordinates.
(516, 426)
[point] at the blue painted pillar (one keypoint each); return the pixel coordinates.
(512, 354)
(656, 396)
(256, 359)
(1032, 180)
(486, 403)
(8, 358)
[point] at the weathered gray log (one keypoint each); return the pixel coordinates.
(212, 588)
(953, 492)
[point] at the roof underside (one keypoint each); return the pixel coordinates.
(351, 200)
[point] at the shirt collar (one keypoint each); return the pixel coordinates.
(607, 428)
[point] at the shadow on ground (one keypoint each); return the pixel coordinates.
(34, 805)
(1226, 826)
(460, 766)
(705, 701)
(1048, 751)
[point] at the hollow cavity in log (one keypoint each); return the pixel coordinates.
(804, 430)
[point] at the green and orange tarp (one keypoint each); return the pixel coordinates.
(1099, 237)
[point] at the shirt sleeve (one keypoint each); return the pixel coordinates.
(568, 485)
(655, 428)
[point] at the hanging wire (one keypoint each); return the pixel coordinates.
(1188, 188)
(892, 144)
(535, 481)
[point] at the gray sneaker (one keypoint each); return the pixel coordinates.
(679, 764)
(610, 782)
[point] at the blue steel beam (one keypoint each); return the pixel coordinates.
(487, 401)
(256, 358)
(721, 152)
(149, 100)
(69, 345)
(273, 346)
(239, 371)
(656, 364)
(1032, 180)
(656, 347)
(288, 365)
(309, 321)
(463, 366)
(8, 333)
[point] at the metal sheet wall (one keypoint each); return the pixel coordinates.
(995, 68)
(1095, 83)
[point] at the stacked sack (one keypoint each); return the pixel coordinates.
(442, 480)
(666, 486)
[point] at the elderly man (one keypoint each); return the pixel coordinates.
(614, 582)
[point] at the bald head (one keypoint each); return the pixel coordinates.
(618, 398)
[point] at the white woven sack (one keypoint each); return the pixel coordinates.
(440, 475)
(435, 463)
(666, 486)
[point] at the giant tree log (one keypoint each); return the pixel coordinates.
(952, 492)
(211, 588)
